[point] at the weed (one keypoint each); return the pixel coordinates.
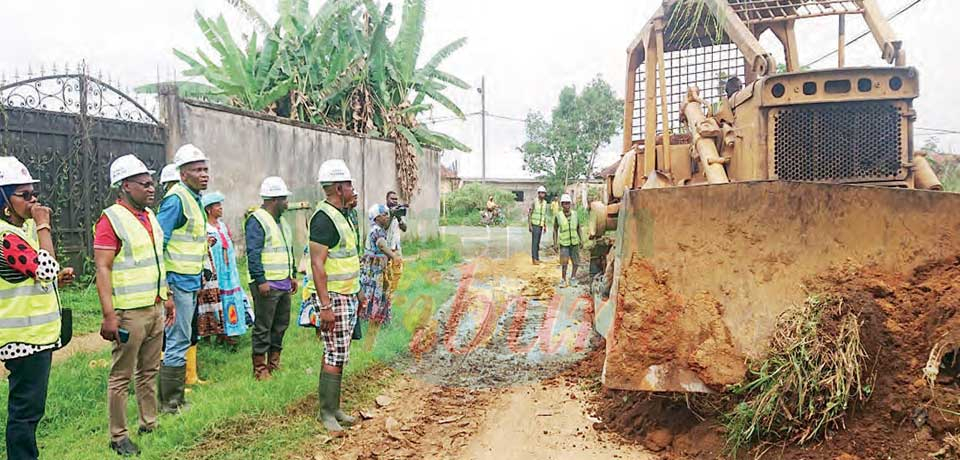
(813, 374)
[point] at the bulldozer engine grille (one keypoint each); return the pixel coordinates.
(838, 142)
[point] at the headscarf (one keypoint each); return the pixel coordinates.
(7, 191)
(376, 211)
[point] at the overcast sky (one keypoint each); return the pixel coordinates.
(527, 49)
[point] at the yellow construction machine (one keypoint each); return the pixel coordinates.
(741, 180)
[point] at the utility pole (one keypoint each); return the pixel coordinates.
(483, 128)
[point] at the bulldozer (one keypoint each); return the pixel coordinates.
(744, 176)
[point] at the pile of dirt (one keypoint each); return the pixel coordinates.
(903, 318)
(660, 327)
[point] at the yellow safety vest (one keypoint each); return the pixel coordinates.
(539, 214)
(138, 275)
(568, 229)
(343, 260)
(277, 255)
(188, 244)
(29, 310)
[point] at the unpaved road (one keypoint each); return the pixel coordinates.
(85, 343)
(485, 381)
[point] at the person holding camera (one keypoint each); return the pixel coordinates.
(398, 213)
(131, 283)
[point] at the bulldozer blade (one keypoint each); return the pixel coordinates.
(701, 273)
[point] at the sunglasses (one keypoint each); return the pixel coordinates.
(26, 195)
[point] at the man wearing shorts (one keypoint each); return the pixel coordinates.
(335, 270)
(566, 235)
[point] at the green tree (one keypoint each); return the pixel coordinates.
(564, 149)
(336, 68)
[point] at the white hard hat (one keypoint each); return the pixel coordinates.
(169, 174)
(189, 153)
(127, 166)
(332, 171)
(541, 189)
(565, 198)
(13, 172)
(273, 187)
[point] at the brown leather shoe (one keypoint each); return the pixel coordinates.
(260, 371)
(273, 361)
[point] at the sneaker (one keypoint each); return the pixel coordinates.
(125, 447)
(573, 282)
(563, 284)
(144, 430)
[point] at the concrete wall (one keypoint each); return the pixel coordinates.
(245, 147)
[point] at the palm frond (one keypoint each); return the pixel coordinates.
(252, 15)
(410, 36)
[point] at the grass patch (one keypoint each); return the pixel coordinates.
(86, 308)
(75, 425)
(814, 372)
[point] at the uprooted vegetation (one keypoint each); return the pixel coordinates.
(903, 402)
(816, 369)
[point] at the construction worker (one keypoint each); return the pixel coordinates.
(566, 235)
(132, 286)
(29, 305)
(184, 248)
(537, 221)
(335, 269)
(168, 177)
(271, 266)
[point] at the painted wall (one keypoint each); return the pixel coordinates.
(245, 147)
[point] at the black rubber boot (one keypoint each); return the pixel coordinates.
(328, 395)
(178, 381)
(342, 417)
(165, 385)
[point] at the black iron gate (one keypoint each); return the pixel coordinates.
(67, 129)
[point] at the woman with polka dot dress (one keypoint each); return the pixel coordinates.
(29, 305)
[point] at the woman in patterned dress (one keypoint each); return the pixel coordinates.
(373, 282)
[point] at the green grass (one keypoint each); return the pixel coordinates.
(75, 425)
(86, 308)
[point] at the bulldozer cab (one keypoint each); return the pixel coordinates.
(742, 177)
(786, 122)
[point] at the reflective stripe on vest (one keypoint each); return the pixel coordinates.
(188, 244)
(343, 260)
(539, 214)
(568, 229)
(277, 255)
(138, 276)
(29, 310)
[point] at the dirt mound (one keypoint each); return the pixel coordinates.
(903, 317)
(661, 327)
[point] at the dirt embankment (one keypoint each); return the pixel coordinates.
(903, 318)
(660, 327)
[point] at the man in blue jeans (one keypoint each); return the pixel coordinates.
(185, 244)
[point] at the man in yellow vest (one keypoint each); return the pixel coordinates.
(566, 235)
(185, 245)
(270, 263)
(335, 269)
(132, 286)
(537, 222)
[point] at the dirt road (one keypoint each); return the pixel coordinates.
(487, 377)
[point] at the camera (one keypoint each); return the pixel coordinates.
(399, 211)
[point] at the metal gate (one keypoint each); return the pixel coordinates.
(67, 129)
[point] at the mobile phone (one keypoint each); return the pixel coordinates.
(124, 335)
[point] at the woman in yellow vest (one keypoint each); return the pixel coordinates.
(335, 268)
(132, 286)
(566, 235)
(29, 305)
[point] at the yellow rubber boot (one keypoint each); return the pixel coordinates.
(192, 377)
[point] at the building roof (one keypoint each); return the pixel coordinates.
(608, 171)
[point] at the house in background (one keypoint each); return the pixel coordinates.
(524, 190)
(450, 178)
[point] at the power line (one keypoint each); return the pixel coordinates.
(858, 37)
(937, 131)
